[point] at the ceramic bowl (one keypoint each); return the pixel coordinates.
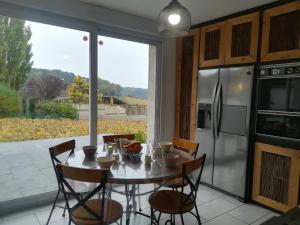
(170, 160)
(105, 162)
(89, 151)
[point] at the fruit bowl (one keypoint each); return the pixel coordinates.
(133, 147)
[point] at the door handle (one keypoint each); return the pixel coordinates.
(219, 111)
(212, 121)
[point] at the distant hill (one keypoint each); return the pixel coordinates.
(135, 92)
(105, 87)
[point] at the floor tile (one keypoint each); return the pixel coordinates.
(28, 219)
(265, 218)
(215, 208)
(225, 220)
(206, 195)
(249, 213)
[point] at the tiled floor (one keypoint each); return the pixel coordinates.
(214, 207)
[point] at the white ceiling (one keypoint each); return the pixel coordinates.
(201, 10)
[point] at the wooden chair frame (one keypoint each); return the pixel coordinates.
(186, 146)
(54, 152)
(111, 138)
(101, 187)
(187, 169)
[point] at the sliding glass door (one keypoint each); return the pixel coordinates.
(126, 88)
(44, 101)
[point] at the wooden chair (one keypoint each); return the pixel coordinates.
(89, 210)
(111, 138)
(177, 202)
(56, 152)
(186, 146)
(189, 147)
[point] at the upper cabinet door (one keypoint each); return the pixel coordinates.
(242, 39)
(212, 45)
(281, 32)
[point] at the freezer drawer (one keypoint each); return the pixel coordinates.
(230, 163)
(206, 145)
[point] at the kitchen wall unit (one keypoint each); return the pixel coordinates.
(242, 39)
(212, 45)
(276, 176)
(281, 32)
(186, 84)
(233, 41)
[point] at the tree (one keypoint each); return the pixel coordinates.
(78, 92)
(15, 52)
(43, 87)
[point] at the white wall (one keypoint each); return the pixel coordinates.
(168, 89)
(91, 13)
(106, 17)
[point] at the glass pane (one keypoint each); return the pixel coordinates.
(126, 88)
(44, 71)
(277, 125)
(280, 94)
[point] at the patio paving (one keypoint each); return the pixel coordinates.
(26, 169)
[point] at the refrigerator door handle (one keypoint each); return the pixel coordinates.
(219, 111)
(213, 110)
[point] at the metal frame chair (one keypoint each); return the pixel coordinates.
(55, 151)
(189, 147)
(87, 210)
(161, 201)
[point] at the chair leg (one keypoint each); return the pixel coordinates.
(140, 208)
(64, 213)
(52, 209)
(151, 216)
(181, 216)
(198, 216)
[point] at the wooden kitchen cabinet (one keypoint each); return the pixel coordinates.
(212, 45)
(281, 32)
(276, 176)
(186, 84)
(241, 40)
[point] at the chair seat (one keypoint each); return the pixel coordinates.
(167, 201)
(176, 183)
(113, 211)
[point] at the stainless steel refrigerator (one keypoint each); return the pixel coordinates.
(223, 105)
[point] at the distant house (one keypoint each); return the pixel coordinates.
(134, 106)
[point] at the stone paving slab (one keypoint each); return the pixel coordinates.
(26, 168)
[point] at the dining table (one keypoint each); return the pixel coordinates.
(132, 172)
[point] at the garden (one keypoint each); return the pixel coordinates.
(40, 103)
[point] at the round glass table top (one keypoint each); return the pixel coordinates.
(127, 171)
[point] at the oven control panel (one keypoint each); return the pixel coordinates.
(280, 69)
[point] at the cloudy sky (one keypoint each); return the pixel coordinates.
(119, 61)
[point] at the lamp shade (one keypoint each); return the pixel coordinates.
(174, 20)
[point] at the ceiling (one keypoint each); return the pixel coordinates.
(201, 10)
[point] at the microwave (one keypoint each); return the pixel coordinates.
(278, 108)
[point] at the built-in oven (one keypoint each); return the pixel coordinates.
(278, 108)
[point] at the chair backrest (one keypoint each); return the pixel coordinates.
(188, 168)
(58, 150)
(186, 146)
(111, 138)
(67, 174)
(62, 148)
